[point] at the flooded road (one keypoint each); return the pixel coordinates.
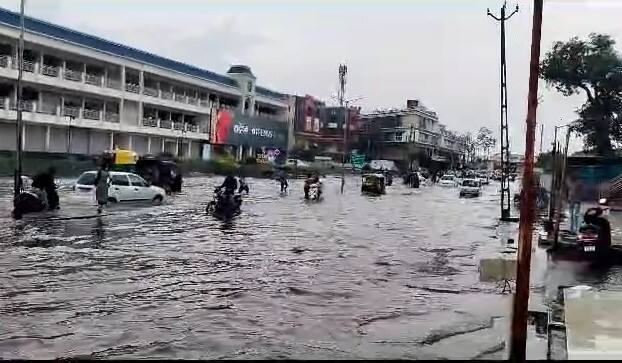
(355, 276)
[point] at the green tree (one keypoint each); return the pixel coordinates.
(485, 140)
(592, 67)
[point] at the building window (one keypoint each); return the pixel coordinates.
(249, 86)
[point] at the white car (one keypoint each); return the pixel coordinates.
(470, 187)
(296, 162)
(447, 181)
(124, 187)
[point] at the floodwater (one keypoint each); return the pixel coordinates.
(352, 276)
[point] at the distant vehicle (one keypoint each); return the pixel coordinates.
(483, 177)
(447, 181)
(160, 172)
(373, 184)
(297, 163)
(470, 187)
(124, 187)
(423, 181)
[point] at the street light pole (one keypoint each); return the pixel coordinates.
(20, 69)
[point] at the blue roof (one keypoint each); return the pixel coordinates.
(41, 27)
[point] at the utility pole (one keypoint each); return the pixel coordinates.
(505, 140)
(541, 136)
(20, 69)
(343, 70)
(518, 340)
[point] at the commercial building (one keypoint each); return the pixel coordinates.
(83, 94)
(412, 136)
(319, 129)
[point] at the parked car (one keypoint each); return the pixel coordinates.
(447, 181)
(296, 163)
(124, 187)
(470, 187)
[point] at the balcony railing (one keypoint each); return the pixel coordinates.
(4, 61)
(180, 98)
(166, 124)
(153, 92)
(2, 103)
(113, 83)
(192, 128)
(73, 75)
(51, 71)
(27, 106)
(93, 79)
(90, 114)
(167, 95)
(46, 108)
(28, 66)
(131, 87)
(71, 111)
(204, 103)
(193, 100)
(178, 126)
(111, 117)
(151, 122)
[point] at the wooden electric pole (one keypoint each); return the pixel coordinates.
(518, 340)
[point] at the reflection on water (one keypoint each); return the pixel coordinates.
(356, 276)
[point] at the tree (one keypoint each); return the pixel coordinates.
(592, 67)
(485, 140)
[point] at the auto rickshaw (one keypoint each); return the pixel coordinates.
(160, 172)
(373, 183)
(121, 160)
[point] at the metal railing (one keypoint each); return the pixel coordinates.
(2, 103)
(131, 87)
(46, 108)
(178, 126)
(73, 75)
(90, 114)
(166, 124)
(71, 111)
(192, 128)
(93, 79)
(111, 117)
(152, 122)
(4, 61)
(180, 98)
(28, 66)
(27, 106)
(204, 103)
(51, 71)
(193, 100)
(153, 92)
(113, 83)
(167, 95)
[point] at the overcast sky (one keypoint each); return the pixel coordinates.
(443, 52)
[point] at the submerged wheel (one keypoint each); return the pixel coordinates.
(157, 200)
(112, 200)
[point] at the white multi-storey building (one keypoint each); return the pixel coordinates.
(83, 95)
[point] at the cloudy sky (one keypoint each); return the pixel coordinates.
(443, 52)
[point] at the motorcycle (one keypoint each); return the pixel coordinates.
(29, 202)
(594, 237)
(224, 204)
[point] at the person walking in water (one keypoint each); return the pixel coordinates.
(102, 183)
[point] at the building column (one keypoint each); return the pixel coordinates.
(140, 113)
(130, 142)
(88, 142)
(62, 106)
(189, 151)
(105, 76)
(162, 146)
(176, 147)
(48, 131)
(240, 152)
(24, 137)
(111, 141)
(121, 110)
(141, 79)
(122, 78)
(40, 63)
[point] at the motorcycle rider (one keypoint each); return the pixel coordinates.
(45, 182)
(243, 186)
(230, 184)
